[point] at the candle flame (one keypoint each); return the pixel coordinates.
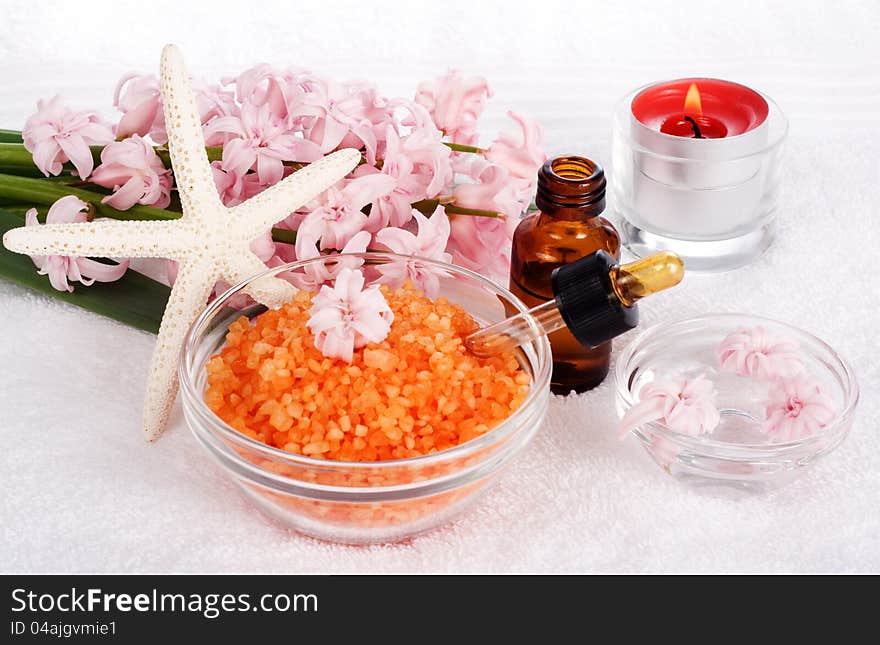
(692, 102)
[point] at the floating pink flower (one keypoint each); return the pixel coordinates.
(61, 268)
(137, 97)
(135, 173)
(340, 215)
(430, 242)
(346, 316)
(754, 351)
(683, 405)
(56, 134)
(797, 408)
(455, 103)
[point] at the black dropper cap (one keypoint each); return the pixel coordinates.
(588, 301)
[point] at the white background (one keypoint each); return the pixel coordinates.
(83, 492)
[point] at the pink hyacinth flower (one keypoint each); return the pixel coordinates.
(492, 189)
(61, 268)
(522, 154)
(258, 140)
(213, 101)
(346, 316)
(233, 180)
(135, 173)
(455, 104)
(482, 244)
(340, 216)
(137, 97)
(334, 115)
(430, 242)
(420, 166)
(431, 159)
(315, 274)
(797, 408)
(262, 85)
(683, 405)
(56, 134)
(754, 351)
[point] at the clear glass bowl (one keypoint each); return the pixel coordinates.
(736, 456)
(363, 502)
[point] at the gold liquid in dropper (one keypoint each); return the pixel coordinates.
(640, 279)
(629, 282)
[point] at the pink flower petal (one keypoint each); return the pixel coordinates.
(126, 196)
(683, 405)
(100, 272)
(78, 153)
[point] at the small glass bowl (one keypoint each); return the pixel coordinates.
(363, 502)
(736, 455)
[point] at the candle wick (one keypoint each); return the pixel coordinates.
(692, 121)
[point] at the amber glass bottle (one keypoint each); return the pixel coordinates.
(571, 196)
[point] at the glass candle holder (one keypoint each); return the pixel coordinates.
(705, 188)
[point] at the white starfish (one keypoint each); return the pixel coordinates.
(209, 241)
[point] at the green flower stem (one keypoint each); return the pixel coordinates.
(428, 206)
(460, 147)
(284, 235)
(23, 171)
(452, 209)
(36, 191)
(10, 136)
(215, 153)
(13, 154)
(24, 190)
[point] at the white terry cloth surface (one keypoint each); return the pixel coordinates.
(81, 489)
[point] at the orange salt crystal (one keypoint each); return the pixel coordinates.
(417, 392)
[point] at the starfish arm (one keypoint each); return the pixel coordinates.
(270, 291)
(192, 171)
(275, 203)
(187, 299)
(107, 238)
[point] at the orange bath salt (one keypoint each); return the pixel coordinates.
(417, 392)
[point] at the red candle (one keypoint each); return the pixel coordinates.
(700, 108)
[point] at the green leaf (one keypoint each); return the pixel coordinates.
(134, 300)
